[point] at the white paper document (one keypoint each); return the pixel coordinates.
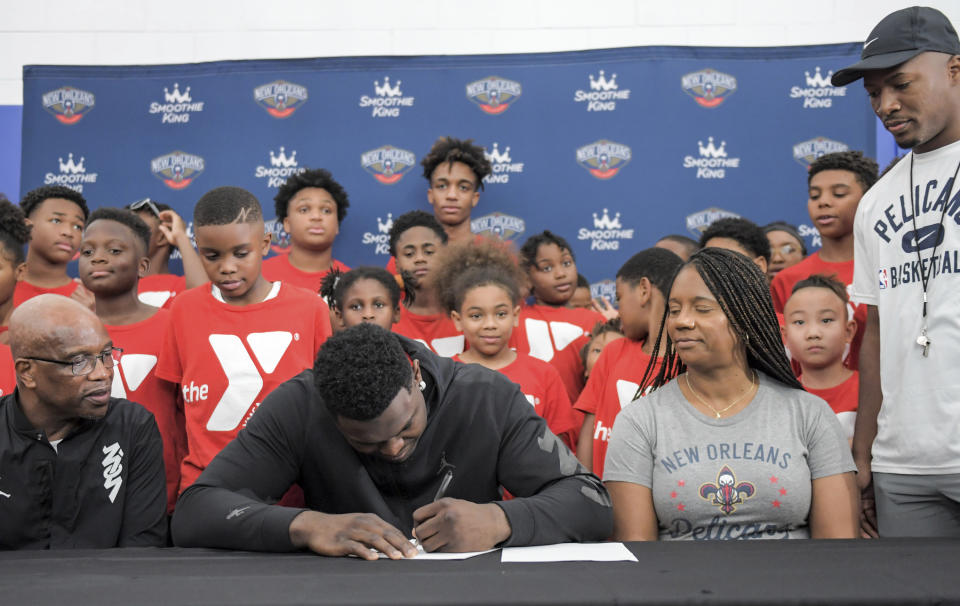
(437, 555)
(569, 552)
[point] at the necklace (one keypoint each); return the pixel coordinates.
(924, 341)
(728, 407)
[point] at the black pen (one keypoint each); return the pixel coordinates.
(444, 484)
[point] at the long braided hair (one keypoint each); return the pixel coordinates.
(743, 294)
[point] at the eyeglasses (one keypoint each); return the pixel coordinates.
(145, 203)
(83, 365)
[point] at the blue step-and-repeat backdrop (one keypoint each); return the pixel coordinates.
(611, 149)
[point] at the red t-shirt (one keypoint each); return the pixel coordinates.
(782, 287)
(542, 387)
(160, 289)
(227, 358)
(612, 385)
(556, 335)
(26, 291)
(8, 375)
(843, 399)
(436, 331)
(278, 268)
(135, 379)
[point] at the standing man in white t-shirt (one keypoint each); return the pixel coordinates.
(907, 270)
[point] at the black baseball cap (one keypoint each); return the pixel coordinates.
(899, 37)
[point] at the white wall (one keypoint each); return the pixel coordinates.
(82, 32)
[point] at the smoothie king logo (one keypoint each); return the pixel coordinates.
(606, 233)
(713, 160)
(603, 159)
(177, 106)
(502, 164)
(387, 164)
(177, 169)
(494, 95)
(282, 166)
(68, 104)
(807, 151)
(280, 98)
(709, 87)
(72, 174)
(387, 99)
(818, 92)
(699, 221)
(499, 225)
(603, 94)
(381, 239)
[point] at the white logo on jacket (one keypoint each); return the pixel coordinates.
(112, 468)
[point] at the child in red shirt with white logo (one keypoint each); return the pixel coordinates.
(231, 342)
(311, 205)
(642, 286)
(549, 329)
(818, 331)
(113, 255)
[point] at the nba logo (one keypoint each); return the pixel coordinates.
(882, 279)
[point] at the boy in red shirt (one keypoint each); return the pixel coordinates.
(818, 330)
(158, 286)
(113, 255)
(230, 342)
(836, 183)
(56, 215)
(549, 330)
(14, 235)
(311, 206)
(417, 242)
(642, 286)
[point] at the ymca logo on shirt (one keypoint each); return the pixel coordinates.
(543, 337)
(132, 370)
(112, 468)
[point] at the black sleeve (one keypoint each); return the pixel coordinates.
(229, 506)
(145, 502)
(557, 499)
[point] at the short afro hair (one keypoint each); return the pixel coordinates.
(863, 168)
(658, 265)
(743, 231)
(14, 233)
(482, 263)
(360, 370)
(226, 205)
(415, 218)
(528, 252)
(36, 197)
(319, 178)
(138, 226)
(689, 243)
(450, 150)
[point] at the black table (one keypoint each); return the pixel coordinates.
(903, 571)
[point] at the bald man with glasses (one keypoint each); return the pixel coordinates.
(78, 468)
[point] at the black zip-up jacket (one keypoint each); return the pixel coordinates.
(104, 486)
(478, 421)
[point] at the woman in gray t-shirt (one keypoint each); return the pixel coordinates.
(733, 448)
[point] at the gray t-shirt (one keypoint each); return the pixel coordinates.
(743, 477)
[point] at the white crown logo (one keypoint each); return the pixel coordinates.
(605, 222)
(818, 80)
(386, 90)
(281, 160)
(495, 157)
(176, 96)
(601, 82)
(384, 228)
(712, 152)
(70, 168)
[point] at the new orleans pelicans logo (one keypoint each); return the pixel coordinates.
(499, 225)
(699, 221)
(494, 95)
(603, 158)
(177, 169)
(806, 152)
(68, 104)
(387, 164)
(727, 492)
(280, 98)
(709, 87)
